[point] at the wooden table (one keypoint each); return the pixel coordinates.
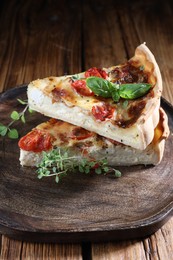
(43, 38)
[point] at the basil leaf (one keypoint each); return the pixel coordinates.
(115, 96)
(104, 88)
(99, 86)
(132, 91)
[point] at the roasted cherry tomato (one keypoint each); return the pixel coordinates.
(96, 73)
(81, 88)
(36, 141)
(102, 112)
(79, 133)
(59, 93)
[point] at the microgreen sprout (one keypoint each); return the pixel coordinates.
(15, 116)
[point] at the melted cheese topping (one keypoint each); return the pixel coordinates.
(70, 136)
(60, 89)
(70, 96)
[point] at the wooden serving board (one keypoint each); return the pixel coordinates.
(81, 207)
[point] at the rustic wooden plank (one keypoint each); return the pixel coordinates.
(142, 22)
(102, 38)
(34, 251)
(27, 72)
(11, 249)
(45, 219)
(6, 36)
(151, 22)
(125, 26)
(123, 250)
(39, 39)
(157, 247)
(160, 244)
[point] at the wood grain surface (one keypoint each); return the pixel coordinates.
(43, 38)
(81, 207)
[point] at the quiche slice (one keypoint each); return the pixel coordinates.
(80, 142)
(129, 121)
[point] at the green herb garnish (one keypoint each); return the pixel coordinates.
(75, 77)
(141, 68)
(132, 91)
(99, 86)
(125, 104)
(15, 116)
(104, 88)
(58, 163)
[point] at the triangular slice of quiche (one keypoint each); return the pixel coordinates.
(121, 102)
(82, 143)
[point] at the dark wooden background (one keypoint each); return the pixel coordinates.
(43, 38)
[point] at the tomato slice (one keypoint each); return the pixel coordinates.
(103, 112)
(81, 88)
(36, 141)
(95, 72)
(79, 133)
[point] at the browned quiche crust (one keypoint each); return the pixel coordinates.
(133, 125)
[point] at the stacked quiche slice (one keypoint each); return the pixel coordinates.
(111, 113)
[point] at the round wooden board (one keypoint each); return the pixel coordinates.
(81, 207)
